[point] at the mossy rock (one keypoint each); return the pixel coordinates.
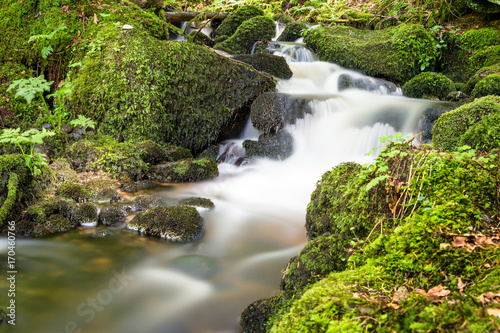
(146, 201)
(74, 191)
(151, 152)
(474, 40)
(175, 223)
(452, 125)
(483, 58)
(428, 84)
(211, 152)
(235, 19)
(148, 3)
(52, 224)
(283, 18)
(483, 6)
(255, 317)
(86, 214)
(319, 257)
(62, 170)
(275, 146)
(429, 118)
(292, 32)
(483, 135)
(185, 171)
(111, 215)
(270, 112)
(175, 153)
(396, 53)
(480, 75)
(197, 202)
(200, 38)
(102, 186)
(248, 33)
(490, 85)
(159, 104)
(267, 63)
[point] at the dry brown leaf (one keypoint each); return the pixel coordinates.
(96, 20)
(458, 241)
(483, 241)
(444, 245)
(469, 247)
(437, 292)
(489, 297)
(421, 292)
(461, 285)
(494, 312)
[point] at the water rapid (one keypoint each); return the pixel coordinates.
(129, 284)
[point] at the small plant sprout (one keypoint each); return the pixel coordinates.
(84, 122)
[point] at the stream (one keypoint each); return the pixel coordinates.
(127, 283)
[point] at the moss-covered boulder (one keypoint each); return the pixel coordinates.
(111, 215)
(292, 32)
(148, 3)
(428, 85)
(256, 316)
(318, 258)
(483, 135)
(480, 75)
(267, 63)
(47, 217)
(474, 40)
(146, 201)
(450, 127)
(483, 58)
(151, 152)
(175, 223)
(490, 85)
(248, 33)
(484, 6)
(270, 112)
(156, 90)
(86, 214)
(396, 53)
(235, 19)
(74, 191)
(185, 171)
(197, 202)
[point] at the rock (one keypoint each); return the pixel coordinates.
(270, 112)
(102, 233)
(277, 146)
(66, 128)
(197, 202)
(481, 75)
(48, 127)
(211, 152)
(490, 85)
(146, 201)
(248, 33)
(267, 63)
(400, 295)
(393, 53)
(151, 152)
(148, 3)
(365, 83)
(428, 119)
(292, 32)
(319, 257)
(256, 316)
(483, 6)
(77, 192)
(49, 216)
(428, 84)
(211, 91)
(451, 126)
(111, 215)
(235, 19)
(175, 153)
(62, 170)
(185, 171)
(175, 223)
(86, 214)
(483, 135)
(283, 18)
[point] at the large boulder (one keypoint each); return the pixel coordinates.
(175, 223)
(292, 32)
(451, 126)
(428, 85)
(490, 85)
(276, 146)
(480, 75)
(149, 89)
(268, 63)
(259, 28)
(396, 53)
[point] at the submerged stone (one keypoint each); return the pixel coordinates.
(146, 201)
(175, 223)
(111, 215)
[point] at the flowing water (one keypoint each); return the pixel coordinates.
(127, 283)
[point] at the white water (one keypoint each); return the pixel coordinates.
(257, 225)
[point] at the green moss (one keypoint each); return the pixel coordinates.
(197, 202)
(428, 84)
(175, 223)
(480, 75)
(248, 33)
(111, 215)
(256, 316)
(397, 53)
(85, 214)
(8, 204)
(292, 32)
(177, 153)
(151, 152)
(479, 39)
(268, 63)
(74, 191)
(483, 6)
(283, 18)
(236, 18)
(490, 85)
(483, 135)
(483, 58)
(452, 125)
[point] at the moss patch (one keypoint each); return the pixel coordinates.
(490, 85)
(186, 171)
(428, 84)
(235, 19)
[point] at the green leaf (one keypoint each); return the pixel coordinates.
(46, 51)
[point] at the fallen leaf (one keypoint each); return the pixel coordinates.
(96, 20)
(437, 292)
(444, 245)
(483, 241)
(421, 292)
(458, 241)
(461, 285)
(494, 312)
(489, 297)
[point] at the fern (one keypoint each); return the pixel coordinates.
(30, 88)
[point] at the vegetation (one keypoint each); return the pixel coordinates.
(428, 85)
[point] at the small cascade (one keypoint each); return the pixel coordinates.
(292, 52)
(280, 27)
(195, 26)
